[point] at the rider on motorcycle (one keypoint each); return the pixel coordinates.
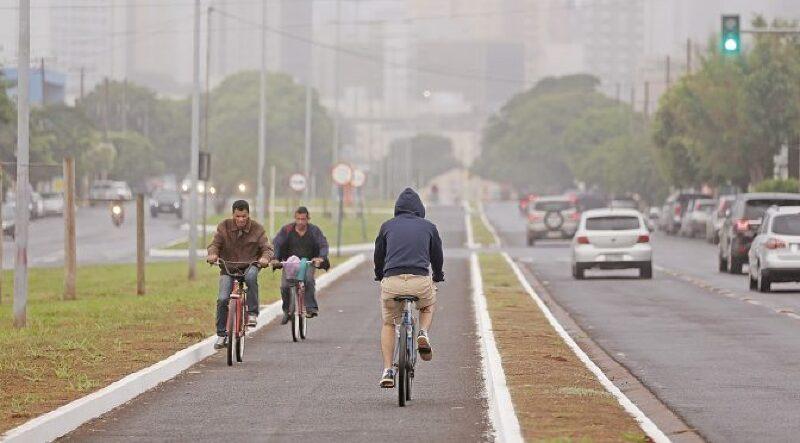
(239, 239)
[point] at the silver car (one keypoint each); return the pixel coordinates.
(774, 255)
(612, 239)
(697, 213)
(552, 217)
(715, 220)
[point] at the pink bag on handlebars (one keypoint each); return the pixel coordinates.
(291, 266)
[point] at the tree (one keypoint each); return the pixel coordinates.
(136, 158)
(429, 155)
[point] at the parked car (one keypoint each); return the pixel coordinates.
(714, 221)
(107, 190)
(697, 212)
(742, 223)
(674, 210)
(552, 217)
(166, 201)
(612, 239)
(52, 203)
(775, 253)
(9, 214)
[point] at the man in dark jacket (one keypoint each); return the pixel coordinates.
(406, 248)
(303, 240)
(239, 239)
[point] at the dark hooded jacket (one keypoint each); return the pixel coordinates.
(408, 244)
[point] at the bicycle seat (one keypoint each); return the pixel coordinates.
(406, 297)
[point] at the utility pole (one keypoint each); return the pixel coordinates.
(307, 154)
(669, 78)
(106, 105)
(23, 140)
(124, 110)
(206, 104)
(83, 75)
(70, 260)
(195, 146)
(44, 85)
(336, 83)
(688, 56)
(260, 205)
(140, 287)
(646, 100)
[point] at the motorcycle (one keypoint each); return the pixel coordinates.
(117, 214)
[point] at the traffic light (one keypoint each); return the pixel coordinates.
(731, 41)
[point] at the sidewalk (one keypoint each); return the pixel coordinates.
(324, 389)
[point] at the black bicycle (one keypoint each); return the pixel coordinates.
(405, 350)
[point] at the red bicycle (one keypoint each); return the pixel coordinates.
(237, 310)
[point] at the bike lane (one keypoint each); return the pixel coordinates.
(325, 388)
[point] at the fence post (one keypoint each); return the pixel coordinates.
(70, 245)
(140, 290)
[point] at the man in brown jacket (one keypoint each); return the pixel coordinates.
(239, 239)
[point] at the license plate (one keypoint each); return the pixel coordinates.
(614, 257)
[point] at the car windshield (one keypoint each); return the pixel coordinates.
(754, 209)
(787, 224)
(706, 207)
(51, 195)
(552, 206)
(612, 223)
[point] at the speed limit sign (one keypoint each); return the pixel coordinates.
(359, 178)
(342, 174)
(297, 182)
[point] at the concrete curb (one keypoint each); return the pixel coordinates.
(501, 409)
(644, 422)
(67, 418)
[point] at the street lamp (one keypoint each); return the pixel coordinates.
(242, 187)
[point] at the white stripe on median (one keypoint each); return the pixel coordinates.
(69, 417)
(644, 422)
(502, 416)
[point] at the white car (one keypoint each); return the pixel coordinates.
(612, 239)
(774, 255)
(53, 203)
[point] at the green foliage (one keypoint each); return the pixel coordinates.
(430, 155)
(778, 185)
(136, 158)
(563, 131)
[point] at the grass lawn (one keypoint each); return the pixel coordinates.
(351, 229)
(72, 348)
(555, 396)
(481, 233)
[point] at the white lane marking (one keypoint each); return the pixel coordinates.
(502, 416)
(645, 423)
(501, 409)
(69, 417)
(488, 225)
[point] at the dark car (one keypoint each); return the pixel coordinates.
(675, 208)
(166, 201)
(742, 223)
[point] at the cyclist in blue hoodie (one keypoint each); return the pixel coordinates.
(408, 261)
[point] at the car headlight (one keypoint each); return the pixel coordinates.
(176, 205)
(116, 210)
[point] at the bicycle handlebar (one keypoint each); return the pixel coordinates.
(225, 263)
(279, 265)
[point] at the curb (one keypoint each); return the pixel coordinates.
(67, 418)
(502, 416)
(647, 425)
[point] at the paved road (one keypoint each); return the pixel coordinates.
(98, 240)
(727, 366)
(324, 389)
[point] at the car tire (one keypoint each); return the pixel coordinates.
(723, 264)
(734, 265)
(764, 284)
(531, 239)
(753, 282)
(578, 272)
(646, 271)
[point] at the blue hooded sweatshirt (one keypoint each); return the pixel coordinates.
(408, 244)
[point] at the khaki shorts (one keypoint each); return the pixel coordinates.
(420, 286)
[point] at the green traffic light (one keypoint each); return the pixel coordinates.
(731, 44)
(730, 34)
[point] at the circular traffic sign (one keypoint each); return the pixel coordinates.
(342, 174)
(359, 178)
(297, 182)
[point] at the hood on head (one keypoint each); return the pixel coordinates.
(409, 203)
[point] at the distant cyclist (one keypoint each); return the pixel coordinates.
(239, 239)
(406, 248)
(304, 240)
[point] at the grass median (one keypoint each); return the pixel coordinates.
(72, 348)
(555, 396)
(480, 231)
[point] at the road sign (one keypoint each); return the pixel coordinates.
(297, 182)
(358, 179)
(342, 174)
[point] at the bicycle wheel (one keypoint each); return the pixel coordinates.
(241, 333)
(294, 317)
(231, 330)
(302, 315)
(402, 366)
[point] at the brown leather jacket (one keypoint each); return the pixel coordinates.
(241, 245)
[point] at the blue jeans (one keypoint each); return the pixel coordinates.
(225, 288)
(310, 298)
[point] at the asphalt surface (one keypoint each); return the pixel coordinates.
(98, 240)
(723, 358)
(326, 388)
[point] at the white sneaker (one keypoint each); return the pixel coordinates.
(252, 320)
(424, 346)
